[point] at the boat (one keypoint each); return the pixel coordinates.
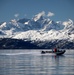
(59, 52)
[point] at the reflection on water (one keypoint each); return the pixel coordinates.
(31, 62)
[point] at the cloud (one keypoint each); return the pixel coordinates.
(42, 13)
(16, 15)
(50, 14)
(39, 15)
(69, 22)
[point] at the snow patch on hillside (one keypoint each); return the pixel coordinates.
(39, 28)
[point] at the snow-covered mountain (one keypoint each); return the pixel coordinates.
(39, 28)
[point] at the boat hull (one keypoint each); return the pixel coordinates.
(57, 53)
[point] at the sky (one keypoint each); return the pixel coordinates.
(10, 9)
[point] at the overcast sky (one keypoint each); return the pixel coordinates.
(62, 9)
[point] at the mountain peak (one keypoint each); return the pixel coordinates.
(2, 25)
(37, 28)
(39, 16)
(68, 24)
(14, 21)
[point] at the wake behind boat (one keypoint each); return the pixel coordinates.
(58, 52)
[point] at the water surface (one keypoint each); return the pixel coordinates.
(32, 62)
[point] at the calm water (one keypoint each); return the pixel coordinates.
(31, 62)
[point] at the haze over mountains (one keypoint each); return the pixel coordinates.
(38, 29)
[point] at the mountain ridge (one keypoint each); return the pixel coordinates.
(39, 28)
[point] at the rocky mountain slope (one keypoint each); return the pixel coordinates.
(40, 31)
